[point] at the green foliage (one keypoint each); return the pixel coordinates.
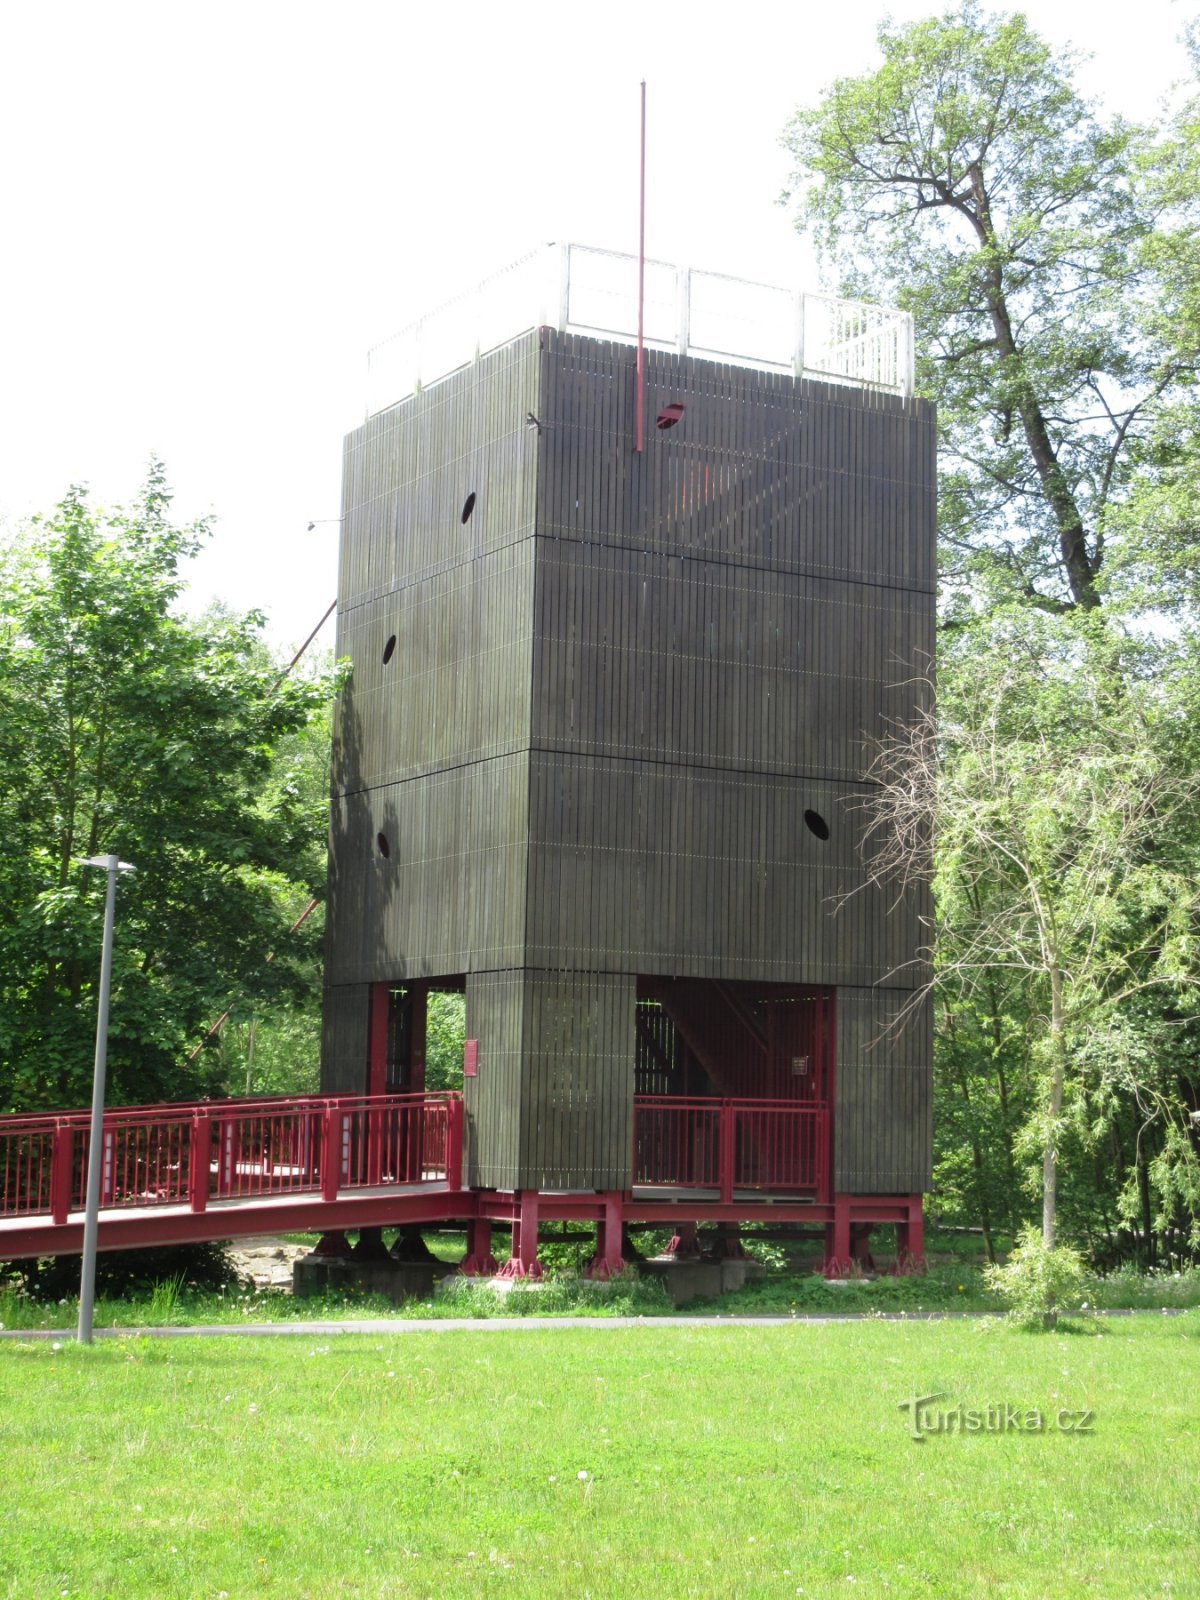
(1065, 881)
(445, 1035)
(1038, 1282)
(966, 180)
(126, 728)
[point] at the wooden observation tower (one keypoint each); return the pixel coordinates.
(598, 760)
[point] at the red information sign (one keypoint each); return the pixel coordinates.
(471, 1058)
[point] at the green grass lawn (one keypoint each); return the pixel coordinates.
(644, 1461)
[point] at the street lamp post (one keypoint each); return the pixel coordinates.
(91, 1215)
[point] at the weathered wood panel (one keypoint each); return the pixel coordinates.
(552, 1102)
(722, 667)
(449, 897)
(344, 1024)
(493, 1098)
(882, 1115)
(657, 868)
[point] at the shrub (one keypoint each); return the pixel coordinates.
(1037, 1282)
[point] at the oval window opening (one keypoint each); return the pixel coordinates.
(669, 415)
(468, 506)
(385, 849)
(389, 649)
(816, 823)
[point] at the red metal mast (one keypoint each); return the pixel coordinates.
(640, 398)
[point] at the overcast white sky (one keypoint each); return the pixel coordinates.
(212, 211)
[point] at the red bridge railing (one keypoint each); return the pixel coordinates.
(730, 1144)
(191, 1154)
(199, 1154)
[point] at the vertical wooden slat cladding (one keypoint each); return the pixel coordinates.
(615, 691)
(344, 1037)
(495, 1017)
(577, 1080)
(449, 897)
(883, 1098)
(551, 1104)
(430, 747)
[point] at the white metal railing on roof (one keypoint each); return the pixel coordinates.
(581, 290)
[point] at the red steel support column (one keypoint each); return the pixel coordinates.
(479, 1262)
(725, 1152)
(62, 1172)
(608, 1262)
(523, 1263)
(199, 1162)
(331, 1154)
(837, 1239)
(454, 1143)
(910, 1238)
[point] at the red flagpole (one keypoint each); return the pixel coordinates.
(640, 398)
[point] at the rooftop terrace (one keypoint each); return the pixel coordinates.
(578, 289)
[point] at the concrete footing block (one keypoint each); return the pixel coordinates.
(396, 1280)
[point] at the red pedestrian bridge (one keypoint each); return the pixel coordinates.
(222, 1169)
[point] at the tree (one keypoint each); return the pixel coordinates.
(1050, 259)
(127, 728)
(967, 181)
(1066, 869)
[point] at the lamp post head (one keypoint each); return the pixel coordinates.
(109, 863)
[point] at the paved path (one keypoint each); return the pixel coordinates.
(406, 1325)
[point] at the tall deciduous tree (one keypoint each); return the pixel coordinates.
(125, 727)
(1067, 867)
(966, 180)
